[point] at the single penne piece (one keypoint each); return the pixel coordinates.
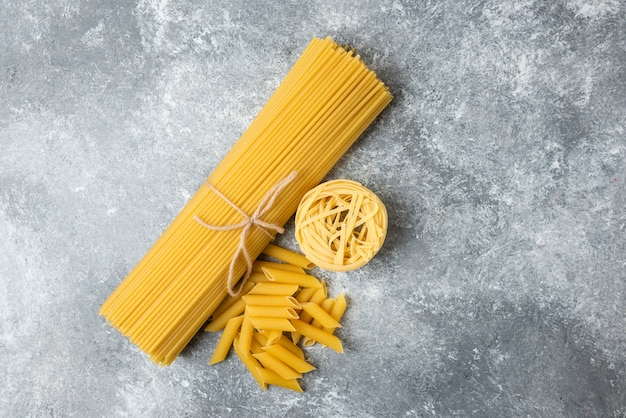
(290, 277)
(270, 378)
(266, 324)
(288, 256)
(259, 264)
(271, 300)
(232, 311)
(318, 335)
(245, 334)
(283, 289)
(226, 339)
(289, 345)
(230, 300)
(319, 314)
(290, 359)
(250, 362)
(277, 366)
(270, 311)
(337, 311)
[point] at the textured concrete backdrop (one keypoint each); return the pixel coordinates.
(500, 290)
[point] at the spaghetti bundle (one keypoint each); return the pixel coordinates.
(324, 103)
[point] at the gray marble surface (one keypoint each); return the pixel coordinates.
(500, 290)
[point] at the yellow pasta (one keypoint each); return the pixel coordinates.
(317, 297)
(289, 345)
(305, 295)
(258, 335)
(271, 300)
(270, 311)
(319, 314)
(258, 266)
(226, 339)
(255, 345)
(324, 103)
(289, 277)
(230, 300)
(271, 378)
(256, 278)
(327, 306)
(318, 335)
(288, 256)
(278, 289)
(277, 366)
(251, 364)
(341, 225)
(264, 323)
(337, 311)
(232, 311)
(290, 359)
(273, 337)
(245, 334)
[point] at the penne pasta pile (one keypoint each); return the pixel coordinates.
(280, 307)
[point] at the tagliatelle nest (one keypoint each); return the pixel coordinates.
(340, 225)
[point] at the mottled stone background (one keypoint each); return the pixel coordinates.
(500, 290)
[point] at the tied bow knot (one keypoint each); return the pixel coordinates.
(246, 226)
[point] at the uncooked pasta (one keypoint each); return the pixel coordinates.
(323, 104)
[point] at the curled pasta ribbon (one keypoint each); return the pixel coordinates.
(340, 225)
(246, 226)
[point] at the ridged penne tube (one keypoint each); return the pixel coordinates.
(257, 266)
(245, 335)
(279, 289)
(220, 322)
(270, 378)
(226, 339)
(290, 359)
(319, 314)
(290, 277)
(288, 256)
(251, 363)
(318, 335)
(271, 311)
(263, 324)
(277, 366)
(271, 300)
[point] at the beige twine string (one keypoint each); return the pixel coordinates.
(248, 222)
